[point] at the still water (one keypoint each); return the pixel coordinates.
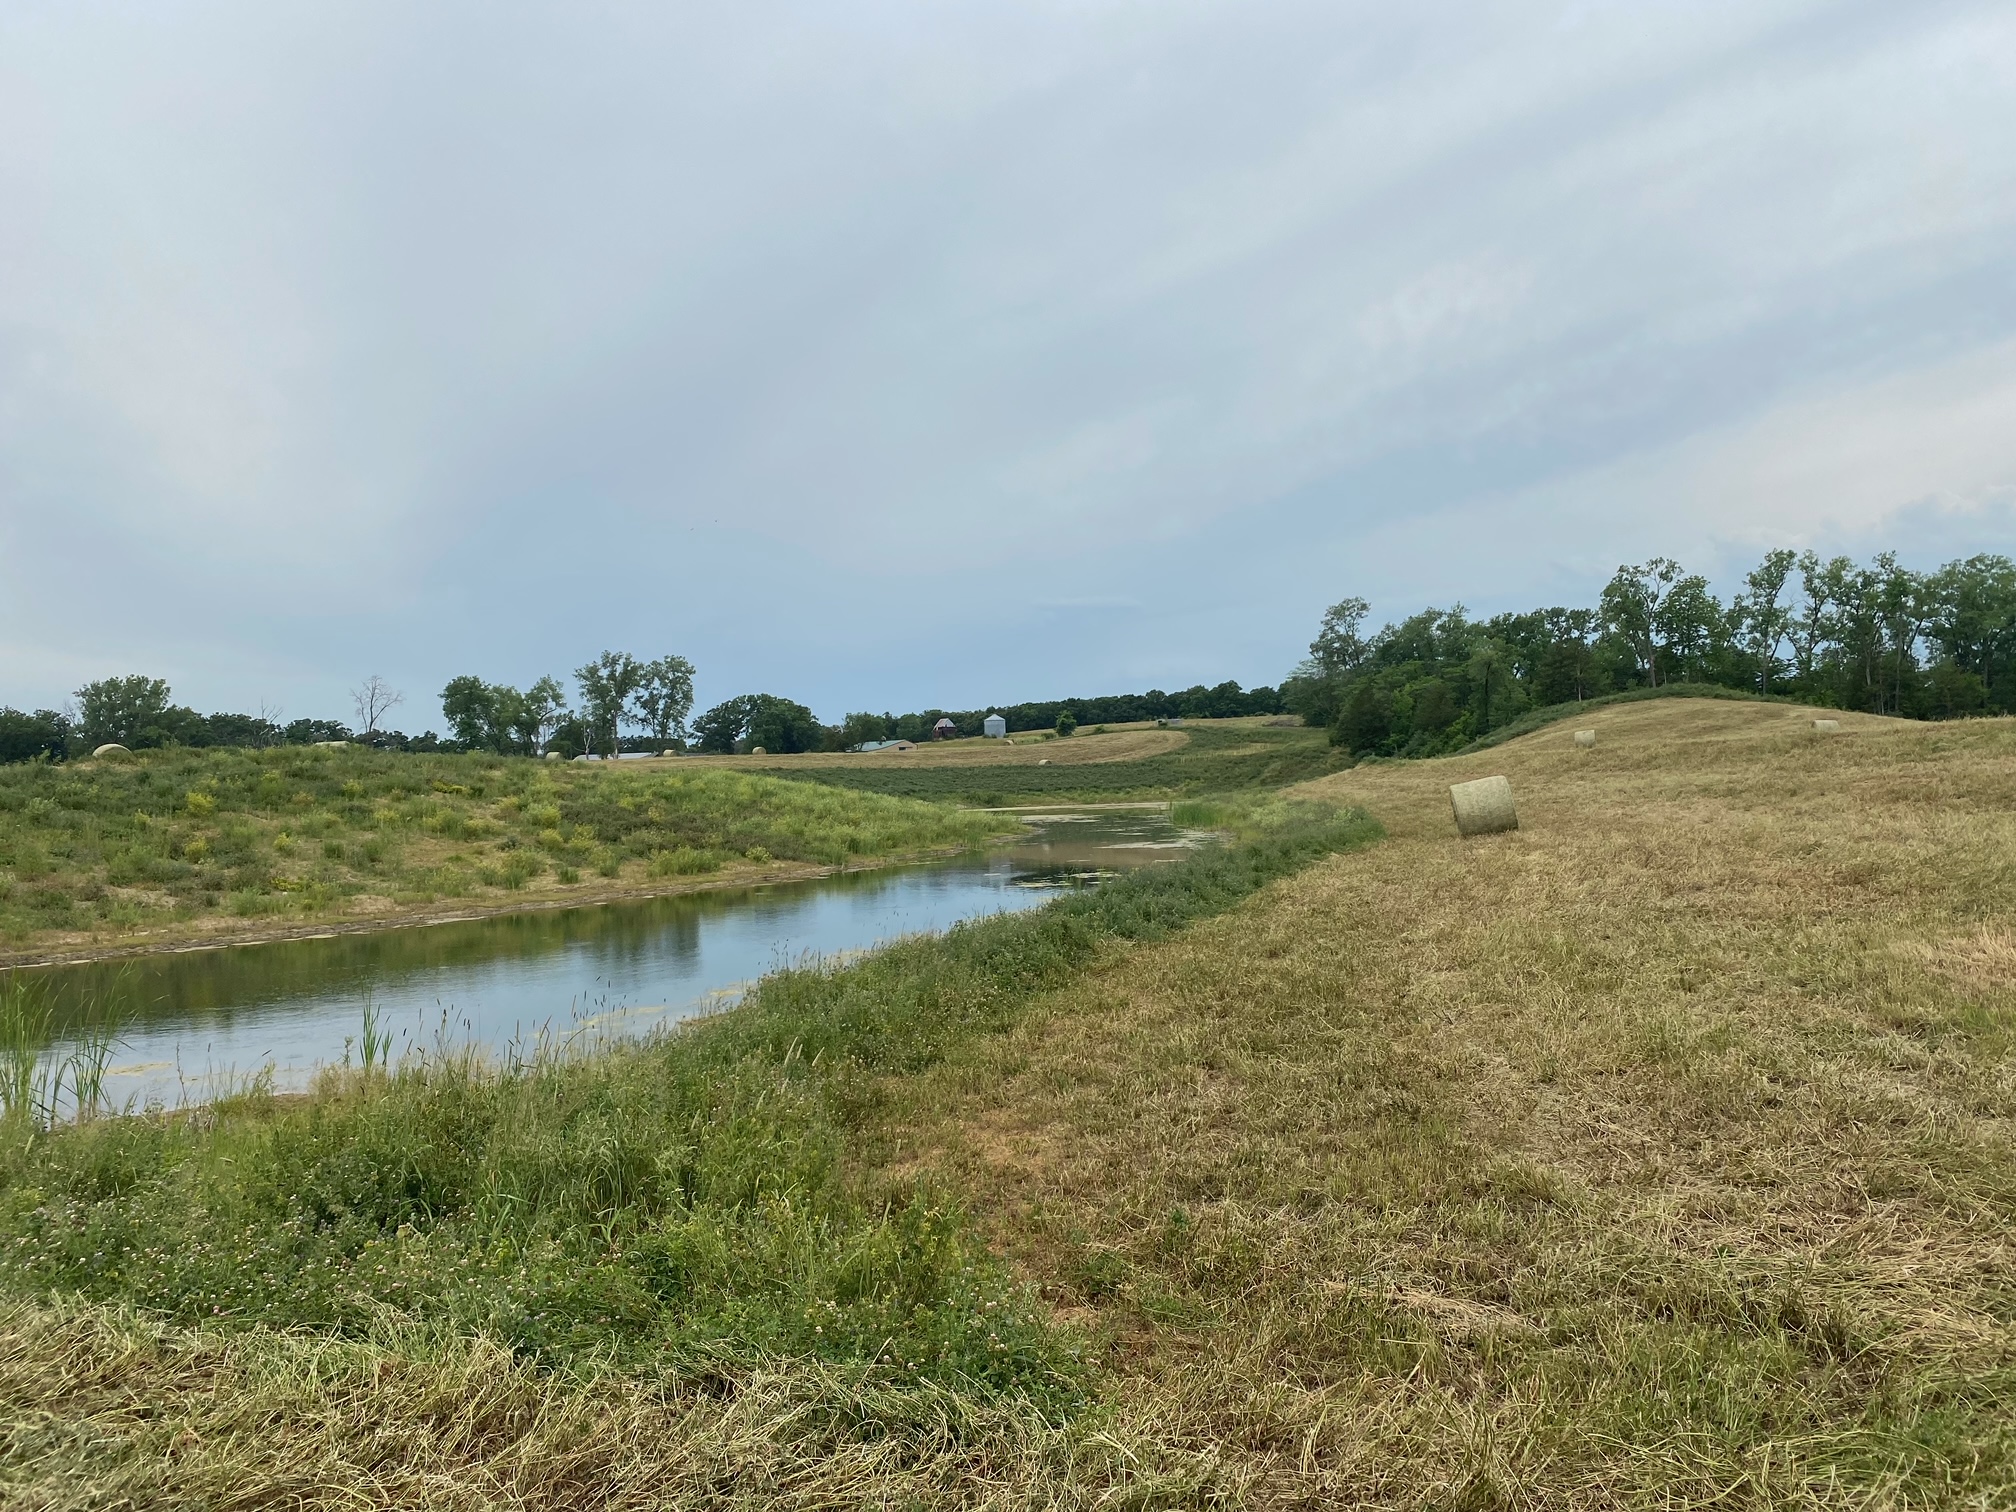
(194, 1024)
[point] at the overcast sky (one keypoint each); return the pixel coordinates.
(887, 355)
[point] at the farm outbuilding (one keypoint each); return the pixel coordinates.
(944, 730)
(994, 727)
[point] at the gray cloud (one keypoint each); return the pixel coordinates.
(889, 354)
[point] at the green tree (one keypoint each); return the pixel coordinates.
(1066, 723)
(1365, 723)
(1435, 709)
(1763, 614)
(541, 708)
(782, 727)
(1340, 647)
(129, 711)
(568, 737)
(1972, 620)
(469, 704)
(665, 697)
(1496, 693)
(1631, 604)
(1809, 628)
(1689, 623)
(45, 735)
(1566, 666)
(608, 686)
(719, 729)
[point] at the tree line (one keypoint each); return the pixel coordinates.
(1225, 701)
(140, 713)
(1878, 638)
(619, 693)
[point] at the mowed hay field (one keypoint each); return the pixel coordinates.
(1656, 1154)
(1128, 743)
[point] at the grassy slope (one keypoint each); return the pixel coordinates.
(1539, 719)
(1217, 757)
(171, 841)
(677, 1273)
(1658, 1153)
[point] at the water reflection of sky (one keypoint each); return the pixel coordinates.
(196, 1021)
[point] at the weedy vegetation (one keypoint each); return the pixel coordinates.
(184, 838)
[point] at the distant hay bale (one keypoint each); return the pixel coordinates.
(1585, 738)
(1483, 807)
(112, 748)
(758, 751)
(552, 755)
(1826, 726)
(668, 752)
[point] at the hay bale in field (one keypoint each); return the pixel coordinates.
(1483, 807)
(1585, 738)
(758, 751)
(111, 748)
(1826, 727)
(552, 755)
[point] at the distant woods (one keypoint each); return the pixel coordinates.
(140, 713)
(1226, 701)
(1880, 638)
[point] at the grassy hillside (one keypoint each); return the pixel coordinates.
(1658, 1153)
(170, 842)
(1217, 757)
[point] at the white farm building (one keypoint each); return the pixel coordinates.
(994, 727)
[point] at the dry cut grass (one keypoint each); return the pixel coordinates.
(129, 1414)
(1134, 743)
(1656, 1154)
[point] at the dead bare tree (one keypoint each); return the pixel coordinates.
(373, 701)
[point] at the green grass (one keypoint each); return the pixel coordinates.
(1212, 761)
(689, 1210)
(170, 837)
(1536, 719)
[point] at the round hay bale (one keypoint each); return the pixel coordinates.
(1483, 807)
(111, 748)
(552, 755)
(758, 751)
(668, 753)
(1826, 726)
(1585, 738)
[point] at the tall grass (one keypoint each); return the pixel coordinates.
(37, 1084)
(174, 836)
(26, 1021)
(374, 1044)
